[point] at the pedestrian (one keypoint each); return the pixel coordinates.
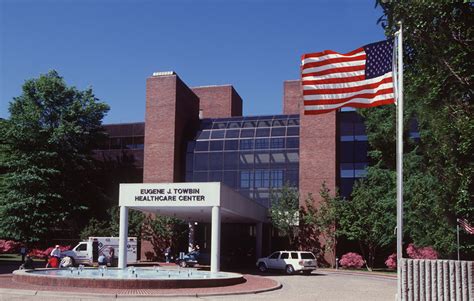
(167, 254)
(111, 256)
(102, 260)
(23, 252)
(56, 252)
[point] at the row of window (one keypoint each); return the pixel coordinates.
(247, 123)
(123, 143)
(248, 179)
(248, 133)
(244, 144)
(241, 160)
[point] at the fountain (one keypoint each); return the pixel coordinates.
(129, 278)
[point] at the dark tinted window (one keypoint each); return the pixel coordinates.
(307, 256)
(232, 134)
(294, 255)
(284, 255)
(275, 255)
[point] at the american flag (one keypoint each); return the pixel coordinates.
(361, 78)
(466, 226)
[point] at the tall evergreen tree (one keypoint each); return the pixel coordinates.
(49, 136)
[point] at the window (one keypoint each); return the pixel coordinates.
(247, 133)
(246, 144)
(204, 135)
(262, 178)
(217, 134)
(219, 125)
(265, 132)
(294, 255)
(231, 160)
(264, 123)
(278, 131)
(293, 142)
(216, 160)
(275, 255)
(201, 161)
(81, 247)
(248, 124)
(307, 256)
(284, 255)
(246, 179)
(246, 160)
(200, 176)
(277, 143)
(201, 146)
(276, 178)
(217, 145)
(293, 131)
(231, 144)
(262, 143)
(230, 178)
(232, 133)
(279, 122)
(233, 125)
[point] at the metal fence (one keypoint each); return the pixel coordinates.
(437, 280)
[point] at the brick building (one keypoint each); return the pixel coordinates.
(199, 135)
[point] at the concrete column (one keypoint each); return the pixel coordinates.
(216, 239)
(123, 237)
(258, 240)
(190, 236)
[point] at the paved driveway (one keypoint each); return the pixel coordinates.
(324, 285)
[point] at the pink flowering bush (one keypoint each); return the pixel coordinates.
(42, 254)
(9, 246)
(391, 261)
(351, 260)
(422, 252)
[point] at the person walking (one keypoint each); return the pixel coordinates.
(23, 252)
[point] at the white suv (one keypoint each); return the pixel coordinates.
(289, 261)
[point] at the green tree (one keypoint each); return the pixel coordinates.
(50, 136)
(163, 232)
(318, 224)
(284, 211)
(438, 166)
(369, 218)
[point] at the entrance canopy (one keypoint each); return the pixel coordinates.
(192, 201)
(204, 202)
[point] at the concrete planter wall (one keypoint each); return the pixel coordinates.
(437, 280)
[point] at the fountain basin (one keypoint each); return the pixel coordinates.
(135, 278)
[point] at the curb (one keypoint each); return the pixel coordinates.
(57, 294)
(365, 274)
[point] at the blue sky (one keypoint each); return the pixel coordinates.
(114, 46)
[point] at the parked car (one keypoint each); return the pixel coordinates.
(289, 261)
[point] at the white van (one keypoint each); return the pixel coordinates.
(87, 252)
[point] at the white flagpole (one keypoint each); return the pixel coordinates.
(399, 160)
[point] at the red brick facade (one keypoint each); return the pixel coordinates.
(171, 119)
(219, 101)
(292, 97)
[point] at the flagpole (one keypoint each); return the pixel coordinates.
(400, 160)
(457, 229)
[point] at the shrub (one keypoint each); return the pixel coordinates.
(391, 261)
(9, 246)
(421, 252)
(352, 260)
(150, 255)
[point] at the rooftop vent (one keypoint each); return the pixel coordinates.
(163, 73)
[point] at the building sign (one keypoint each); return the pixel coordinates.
(169, 194)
